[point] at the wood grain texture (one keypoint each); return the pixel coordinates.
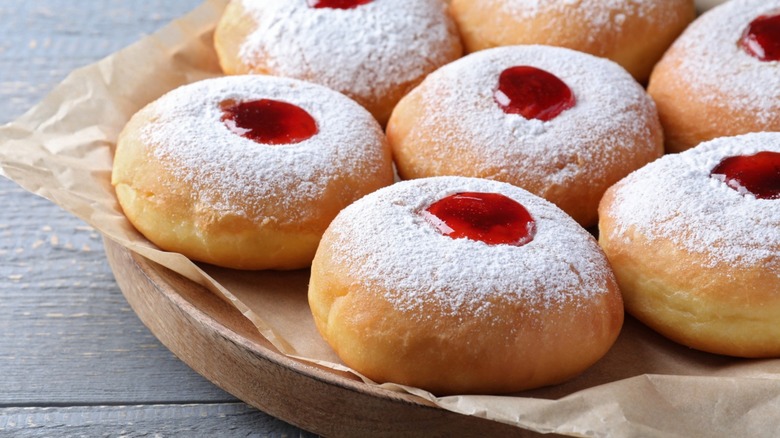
(207, 420)
(74, 359)
(67, 336)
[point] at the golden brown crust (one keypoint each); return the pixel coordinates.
(636, 44)
(691, 117)
(419, 154)
(379, 341)
(452, 148)
(719, 309)
(236, 25)
(163, 207)
(708, 86)
(507, 319)
(232, 30)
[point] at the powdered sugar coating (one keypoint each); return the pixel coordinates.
(384, 240)
(675, 198)
(586, 139)
(710, 59)
(232, 175)
(362, 52)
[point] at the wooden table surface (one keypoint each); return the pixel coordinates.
(74, 359)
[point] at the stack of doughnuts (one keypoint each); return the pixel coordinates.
(476, 275)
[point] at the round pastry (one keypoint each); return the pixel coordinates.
(374, 51)
(247, 172)
(463, 285)
(694, 240)
(722, 76)
(561, 124)
(634, 34)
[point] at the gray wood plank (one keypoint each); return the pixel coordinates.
(60, 310)
(42, 41)
(67, 336)
(74, 358)
(207, 420)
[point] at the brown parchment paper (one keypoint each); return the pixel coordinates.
(645, 386)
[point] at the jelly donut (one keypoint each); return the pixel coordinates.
(374, 51)
(694, 240)
(722, 76)
(247, 171)
(561, 124)
(634, 34)
(463, 285)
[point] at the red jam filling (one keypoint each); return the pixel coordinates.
(533, 93)
(761, 39)
(487, 217)
(337, 4)
(758, 174)
(269, 121)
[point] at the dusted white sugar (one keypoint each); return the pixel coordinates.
(596, 17)
(589, 137)
(384, 239)
(233, 175)
(712, 59)
(365, 51)
(675, 198)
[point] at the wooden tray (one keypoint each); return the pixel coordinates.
(215, 340)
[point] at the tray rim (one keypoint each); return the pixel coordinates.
(150, 288)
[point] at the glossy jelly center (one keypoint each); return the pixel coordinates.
(533, 93)
(269, 121)
(337, 4)
(486, 217)
(761, 39)
(758, 174)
